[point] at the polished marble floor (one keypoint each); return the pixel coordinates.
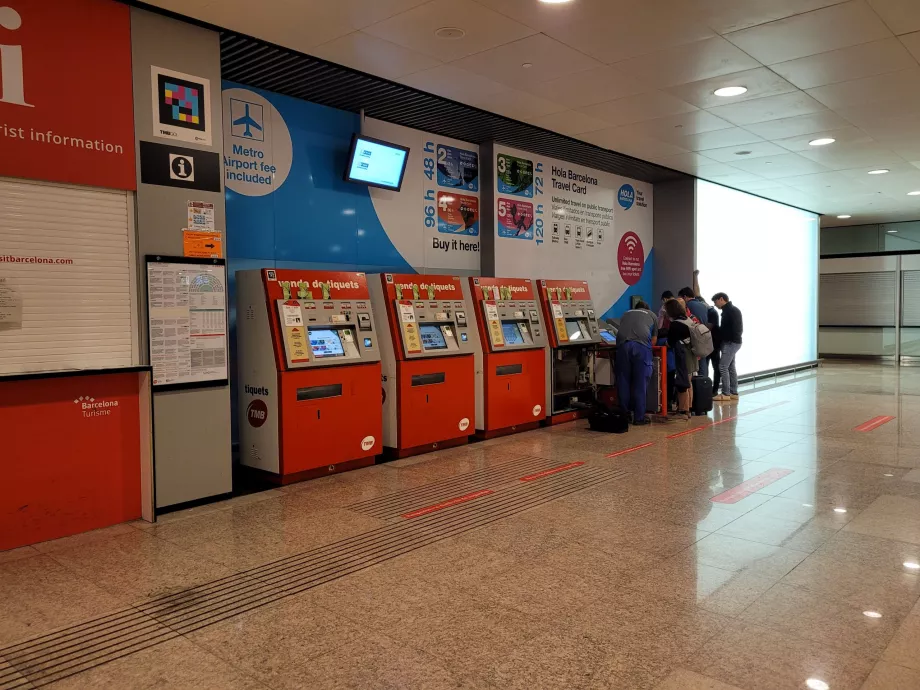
(770, 545)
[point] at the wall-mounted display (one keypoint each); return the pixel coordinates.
(376, 163)
(187, 314)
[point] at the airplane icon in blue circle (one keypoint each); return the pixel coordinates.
(249, 120)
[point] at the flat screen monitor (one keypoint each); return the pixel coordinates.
(608, 336)
(326, 343)
(573, 329)
(432, 338)
(512, 332)
(376, 163)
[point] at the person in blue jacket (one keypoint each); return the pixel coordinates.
(638, 327)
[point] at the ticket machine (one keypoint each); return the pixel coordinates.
(510, 356)
(309, 373)
(574, 335)
(426, 344)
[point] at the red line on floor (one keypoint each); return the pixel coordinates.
(690, 431)
(554, 470)
(447, 504)
(629, 450)
(873, 423)
(751, 486)
(723, 421)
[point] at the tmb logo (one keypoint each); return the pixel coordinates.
(12, 83)
(257, 413)
(626, 196)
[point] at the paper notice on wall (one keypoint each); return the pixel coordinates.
(495, 326)
(10, 304)
(188, 322)
(292, 315)
(201, 217)
(561, 333)
(202, 245)
(406, 312)
(297, 344)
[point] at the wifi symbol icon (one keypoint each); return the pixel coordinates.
(631, 241)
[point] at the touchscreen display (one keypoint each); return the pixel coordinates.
(432, 338)
(512, 333)
(326, 343)
(608, 336)
(573, 329)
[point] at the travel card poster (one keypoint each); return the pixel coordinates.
(458, 168)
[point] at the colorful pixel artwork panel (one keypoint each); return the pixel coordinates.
(181, 103)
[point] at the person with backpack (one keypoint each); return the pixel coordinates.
(634, 360)
(698, 310)
(730, 333)
(685, 363)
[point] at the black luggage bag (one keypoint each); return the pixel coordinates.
(702, 394)
(611, 421)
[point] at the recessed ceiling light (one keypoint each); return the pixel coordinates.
(555, 2)
(880, 171)
(821, 142)
(743, 153)
(872, 614)
(815, 684)
(729, 91)
(911, 565)
(527, 65)
(840, 510)
(917, 193)
(451, 33)
(844, 216)
(892, 232)
(887, 474)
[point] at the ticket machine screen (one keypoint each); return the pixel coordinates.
(573, 329)
(609, 337)
(326, 343)
(512, 333)
(432, 338)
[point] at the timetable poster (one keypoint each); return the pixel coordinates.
(186, 307)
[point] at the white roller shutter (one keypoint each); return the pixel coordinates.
(68, 252)
(910, 299)
(857, 299)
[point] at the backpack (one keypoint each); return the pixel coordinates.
(700, 338)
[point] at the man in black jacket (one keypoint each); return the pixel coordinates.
(730, 332)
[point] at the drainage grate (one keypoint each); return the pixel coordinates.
(49, 658)
(401, 502)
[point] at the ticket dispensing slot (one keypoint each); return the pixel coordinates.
(510, 368)
(309, 368)
(427, 361)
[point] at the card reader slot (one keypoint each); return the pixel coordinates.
(332, 390)
(428, 379)
(509, 369)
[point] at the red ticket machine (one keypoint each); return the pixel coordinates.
(510, 356)
(427, 359)
(309, 373)
(574, 335)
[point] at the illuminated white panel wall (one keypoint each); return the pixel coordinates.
(765, 256)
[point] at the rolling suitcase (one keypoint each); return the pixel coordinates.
(702, 394)
(653, 397)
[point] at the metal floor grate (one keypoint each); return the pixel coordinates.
(51, 657)
(401, 502)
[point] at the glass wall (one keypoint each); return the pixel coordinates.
(869, 239)
(765, 256)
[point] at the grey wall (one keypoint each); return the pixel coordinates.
(865, 239)
(191, 428)
(674, 236)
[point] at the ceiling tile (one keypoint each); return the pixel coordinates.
(645, 106)
(569, 122)
(518, 105)
(688, 162)
(758, 150)
(590, 87)
(760, 187)
(373, 55)
(912, 43)
(639, 147)
(841, 135)
(830, 28)
(864, 60)
(869, 115)
(794, 126)
(549, 59)
(299, 25)
(716, 170)
(454, 83)
(738, 177)
(826, 183)
(725, 16)
(901, 16)
(549, 16)
(362, 13)
(670, 128)
(769, 108)
(627, 29)
(775, 167)
(732, 136)
(879, 89)
(862, 172)
(853, 155)
(712, 57)
(759, 82)
(416, 29)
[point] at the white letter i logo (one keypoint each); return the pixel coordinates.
(12, 86)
